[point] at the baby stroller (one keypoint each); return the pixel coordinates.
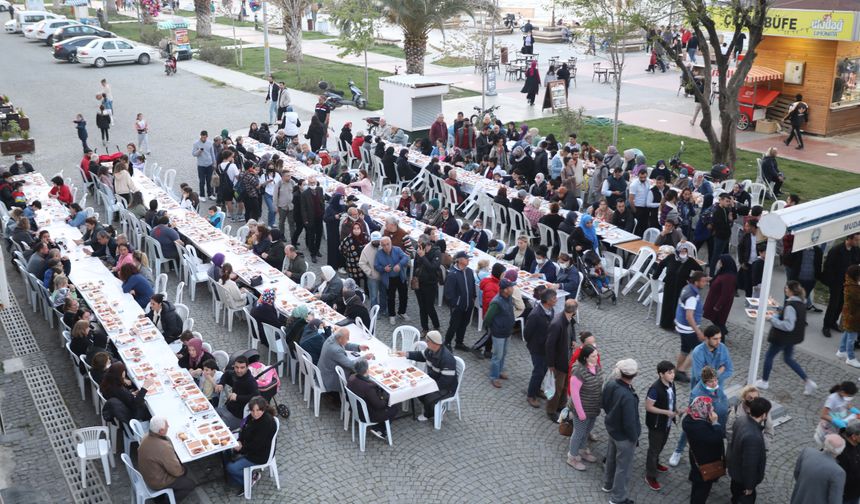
(592, 285)
(268, 381)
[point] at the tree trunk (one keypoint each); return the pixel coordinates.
(293, 35)
(204, 18)
(415, 47)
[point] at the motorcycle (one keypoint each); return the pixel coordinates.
(335, 98)
(169, 63)
(510, 22)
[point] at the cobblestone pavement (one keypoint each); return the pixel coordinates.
(501, 450)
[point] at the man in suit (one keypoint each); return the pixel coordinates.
(818, 477)
(375, 398)
(313, 209)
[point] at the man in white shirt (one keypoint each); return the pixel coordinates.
(638, 200)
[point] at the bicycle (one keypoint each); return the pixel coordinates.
(477, 118)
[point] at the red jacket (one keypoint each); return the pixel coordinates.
(464, 138)
(85, 166)
(489, 289)
(63, 194)
(438, 131)
(357, 142)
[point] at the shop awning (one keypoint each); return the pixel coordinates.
(172, 24)
(75, 3)
(756, 74)
(757, 96)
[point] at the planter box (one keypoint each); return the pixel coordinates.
(20, 146)
(24, 123)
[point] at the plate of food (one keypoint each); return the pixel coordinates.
(124, 338)
(771, 302)
(753, 312)
(133, 354)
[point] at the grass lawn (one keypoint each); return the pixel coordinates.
(454, 61)
(455, 93)
(132, 31)
(388, 50)
(807, 180)
(312, 71)
(314, 35)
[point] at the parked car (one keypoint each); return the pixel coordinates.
(79, 30)
(10, 26)
(67, 50)
(24, 19)
(5, 6)
(45, 29)
(109, 51)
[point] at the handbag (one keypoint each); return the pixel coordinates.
(256, 281)
(565, 428)
(413, 283)
(711, 471)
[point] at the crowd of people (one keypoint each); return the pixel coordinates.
(368, 264)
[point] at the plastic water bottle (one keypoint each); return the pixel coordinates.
(471, 246)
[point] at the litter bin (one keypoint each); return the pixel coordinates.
(504, 55)
(310, 24)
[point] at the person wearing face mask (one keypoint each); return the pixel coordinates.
(747, 456)
(20, 166)
(366, 262)
(543, 265)
(788, 329)
(568, 277)
(314, 335)
(708, 386)
(837, 411)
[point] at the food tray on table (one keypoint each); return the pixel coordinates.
(179, 377)
(303, 295)
(325, 312)
(753, 302)
(753, 312)
(216, 432)
(394, 379)
(196, 446)
(142, 371)
(132, 354)
(124, 338)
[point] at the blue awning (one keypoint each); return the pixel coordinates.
(76, 3)
(172, 24)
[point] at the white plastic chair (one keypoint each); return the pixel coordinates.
(757, 193)
(614, 267)
(314, 378)
(547, 235)
(344, 401)
(307, 280)
(650, 235)
(242, 233)
(142, 492)
(221, 358)
(78, 375)
(156, 255)
(640, 267)
(562, 242)
(443, 405)
(180, 287)
(271, 464)
(253, 328)
(161, 284)
(777, 205)
(275, 342)
(404, 338)
(374, 315)
(355, 403)
(183, 312)
(134, 432)
(93, 443)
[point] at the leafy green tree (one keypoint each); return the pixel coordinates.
(357, 30)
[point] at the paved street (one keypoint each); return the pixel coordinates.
(501, 451)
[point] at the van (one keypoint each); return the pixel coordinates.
(27, 18)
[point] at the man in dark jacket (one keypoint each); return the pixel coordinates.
(499, 320)
(849, 460)
(621, 405)
(558, 354)
(313, 208)
(536, 329)
(460, 295)
(163, 315)
(375, 398)
(747, 456)
(623, 216)
(476, 234)
(835, 265)
(661, 411)
(243, 388)
(722, 228)
(441, 367)
(353, 307)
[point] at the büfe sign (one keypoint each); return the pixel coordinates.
(555, 96)
(817, 24)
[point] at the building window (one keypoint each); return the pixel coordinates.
(845, 91)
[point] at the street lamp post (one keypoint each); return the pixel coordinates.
(267, 66)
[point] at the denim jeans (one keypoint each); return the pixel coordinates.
(378, 296)
(273, 111)
(235, 470)
(847, 343)
(787, 356)
(497, 362)
(271, 209)
(720, 247)
(692, 54)
(204, 179)
(538, 372)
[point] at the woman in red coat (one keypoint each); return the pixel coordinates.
(721, 294)
(61, 190)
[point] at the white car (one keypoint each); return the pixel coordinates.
(44, 30)
(24, 19)
(5, 6)
(101, 52)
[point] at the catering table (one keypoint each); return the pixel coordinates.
(288, 294)
(143, 349)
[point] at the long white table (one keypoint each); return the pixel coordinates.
(141, 346)
(288, 294)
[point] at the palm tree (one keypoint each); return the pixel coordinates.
(291, 20)
(417, 17)
(204, 18)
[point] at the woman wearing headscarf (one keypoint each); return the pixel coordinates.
(433, 214)
(705, 435)
(532, 84)
(264, 311)
(346, 136)
(499, 153)
(569, 223)
(667, 262)
(295, 325)
(316, 133)
(539, 187)
(313, 337)
(533, 213)
(523, 163)
(194, 357)
(351, 247)
(329, 289)
(721, 294)
(232, 297)
(389, 165)
(584, 237)
(404, 169)
(331, 217)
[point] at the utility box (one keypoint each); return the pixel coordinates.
(412, 101)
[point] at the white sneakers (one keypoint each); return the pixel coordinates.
(392, 320)
(853, 362)
(841, 355)
(675, 459)
(810, 387)
(422, 418)
(761, 384)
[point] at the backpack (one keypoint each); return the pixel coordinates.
(707, 217)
